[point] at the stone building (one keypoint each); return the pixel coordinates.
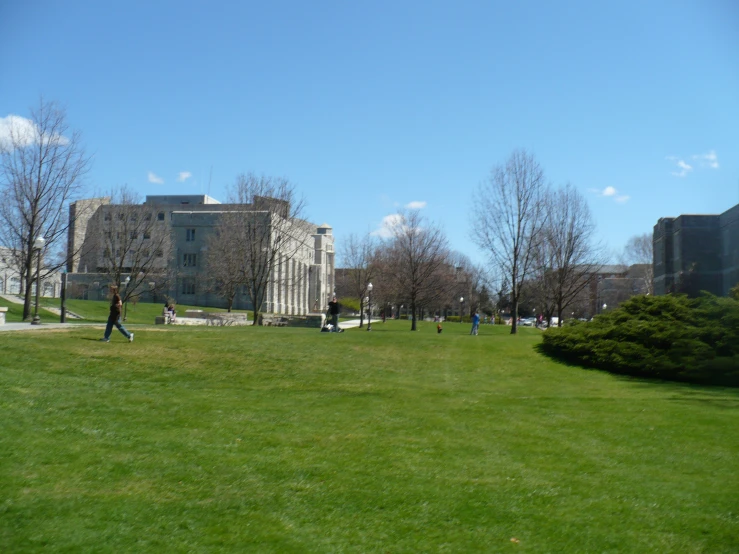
(300, 284)
(693, 253)
(10, 278)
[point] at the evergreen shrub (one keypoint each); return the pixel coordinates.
(666, 337)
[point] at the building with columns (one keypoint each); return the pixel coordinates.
(302, 280)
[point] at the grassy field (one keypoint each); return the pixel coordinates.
(291, 440)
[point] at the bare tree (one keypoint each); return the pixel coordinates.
(265, 231)
(224, 261)
(125, 238)
(418, 252)
(358, 254)
(508, 217)
(42, 163)
(568, 259)
(640, 250)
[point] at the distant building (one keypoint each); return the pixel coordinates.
(10, 278)
(693, 253)
(299, 285)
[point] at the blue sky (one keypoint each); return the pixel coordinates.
(368, 107)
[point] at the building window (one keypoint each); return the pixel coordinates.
(159, 254)
(134, 235)
(190, 235)
(106, 217)
(160, 216)
(189, 260)
(188, 286)
(147, 235)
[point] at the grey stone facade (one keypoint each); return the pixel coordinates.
(693, 253)
(10, 278)
(300, 285)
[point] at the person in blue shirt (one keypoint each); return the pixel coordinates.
(475, 323)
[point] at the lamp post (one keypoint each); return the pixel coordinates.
(38, 245)
(461, 308)
(369, 306)
(605, 306)
(125, 304)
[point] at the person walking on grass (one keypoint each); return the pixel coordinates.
(115, 317)
(475, 323)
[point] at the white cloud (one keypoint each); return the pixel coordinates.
(153, 178)
(609, 191)
(416, 205)
(24, 132)
(684, 169)
(707, 160)
(183, 176)
(385, 230)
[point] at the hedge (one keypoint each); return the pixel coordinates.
(667, 337)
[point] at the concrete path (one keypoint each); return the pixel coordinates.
(26, 326)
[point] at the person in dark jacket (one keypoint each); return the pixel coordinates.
(333, 310)
(114, 319)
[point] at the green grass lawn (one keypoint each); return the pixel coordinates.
(290, 440)
(15, 312)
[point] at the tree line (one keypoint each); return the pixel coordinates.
(539, 240)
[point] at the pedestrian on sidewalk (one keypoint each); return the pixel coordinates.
(114, 319)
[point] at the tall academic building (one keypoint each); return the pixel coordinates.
(697, 252)
(302, 283)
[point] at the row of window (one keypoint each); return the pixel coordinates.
(144, 253)
(133, 234)
(14, 287)
(132, 216)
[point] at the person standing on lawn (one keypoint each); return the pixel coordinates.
(115, 317)
(475, 323)
(333, 310)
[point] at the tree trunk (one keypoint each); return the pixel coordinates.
(413, 317)
(514, 317)
(361, 316)
(27, 296)
(559, 315)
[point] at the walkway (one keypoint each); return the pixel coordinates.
(26, 326)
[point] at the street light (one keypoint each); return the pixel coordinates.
(461, 307)
(125, 304)
(605, 306)
(38, 244)
(369, 306)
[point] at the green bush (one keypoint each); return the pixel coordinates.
(455, 319)
(666, 337)
(349, 304)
